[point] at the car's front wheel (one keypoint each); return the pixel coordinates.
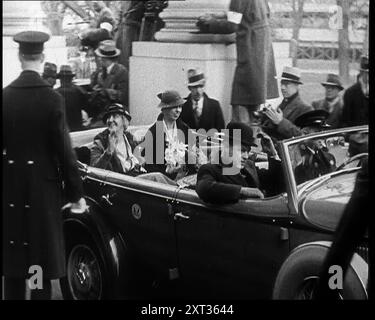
(86, 277)
(298, 276)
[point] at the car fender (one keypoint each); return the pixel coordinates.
(99, 229)
(311, 256)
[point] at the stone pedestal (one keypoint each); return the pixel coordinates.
(22, 16)
(157, 66)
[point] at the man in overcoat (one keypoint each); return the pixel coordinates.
(356, 99)
(254, 79)
(199, 110)
(37, 158)
(280, 123)
(332, 103)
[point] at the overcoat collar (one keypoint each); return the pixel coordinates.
(29, 79)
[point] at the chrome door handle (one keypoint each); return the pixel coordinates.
(180, 215)
(105, 198)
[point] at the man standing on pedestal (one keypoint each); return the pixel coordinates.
(254, 79)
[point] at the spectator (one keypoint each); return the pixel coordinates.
(39, 174)
(332, 103)
(50, 73)
(254, 76)
(356, 108)
(92, 37)
(104, 14)
(200, 111)
(110, 82)
(279, 123)
(113, 148)
(169, 134)
(82, 65)
(75, 98)
(214, 186)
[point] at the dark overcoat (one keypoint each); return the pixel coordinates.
(356, 107)
(335, 112)
(37, 158)
(254, 79)
(215, 187)
(292, 108)
(211, 118)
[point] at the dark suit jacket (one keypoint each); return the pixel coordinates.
(356, 108)
(292, 108)
(37, 157)
(75, 100)
(117, 81)
(334, 118)
(211, 118)
(215, 187)
(101, 159)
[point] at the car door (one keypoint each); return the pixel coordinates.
(140, 210)
(231, 251)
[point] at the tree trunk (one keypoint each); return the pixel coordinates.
(298, 19)
(344, 43)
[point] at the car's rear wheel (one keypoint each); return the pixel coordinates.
(87, 277)
(298, 276)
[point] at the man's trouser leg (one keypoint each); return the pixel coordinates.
(248, 115)
(14, 288)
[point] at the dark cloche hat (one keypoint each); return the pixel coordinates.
(49, 70)
(315, 118)
(170, 99)
(65, 72)
(247, 134)
(333, 80)
(116, 108)
(31, 42)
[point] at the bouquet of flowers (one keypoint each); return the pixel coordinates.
(175, 156)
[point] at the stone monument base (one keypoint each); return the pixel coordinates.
(160, 66)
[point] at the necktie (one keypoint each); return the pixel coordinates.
(197, 111)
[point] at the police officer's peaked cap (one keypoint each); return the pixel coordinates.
(315, 118)
(31, 42)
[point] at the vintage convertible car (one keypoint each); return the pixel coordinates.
(142, 239)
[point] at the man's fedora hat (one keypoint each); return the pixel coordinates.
(50, 70)
(170, 99)
(65, 72)
(195, 78)
(291, 74)
(364, 64)
(116, 108)
(31, 42)
(107, 49)
(333, 80)
(247, 134)
(315, 118)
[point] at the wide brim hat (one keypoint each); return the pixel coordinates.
(314, 118)
(170, 99)
(49, 70)
(107, 49)
(116, 108)
(196, 78)
(247, 134)
(65, 72)
(291, 74)
(333, 80)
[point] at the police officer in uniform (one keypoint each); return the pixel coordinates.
(37, 158)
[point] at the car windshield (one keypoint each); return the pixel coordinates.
(316, 156)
